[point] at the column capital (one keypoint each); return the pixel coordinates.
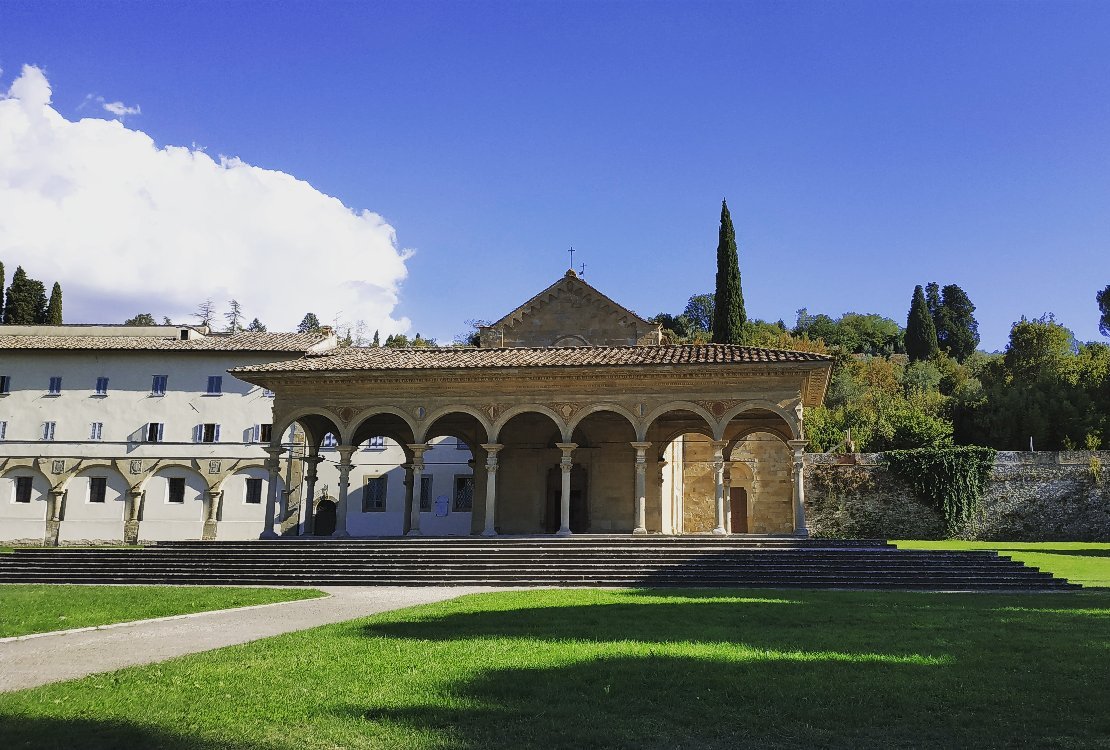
(491, 448)
(640, 446)
(566, 448)
(345, 453)
(798, 446)
(418, 449)
(214, 493)
(135, 492)
(274, 451)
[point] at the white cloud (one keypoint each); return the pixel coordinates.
(119, 109)
(128, 227)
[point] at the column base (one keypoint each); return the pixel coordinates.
(268, 534)
(209, 532)
(563, 532)
(341, 534)
(131, 532)
(719, 531)
(53, 529)
(802, 533)
(489, 532)
(414, 532)
(639, 530)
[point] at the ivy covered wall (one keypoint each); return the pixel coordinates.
(1047, 495)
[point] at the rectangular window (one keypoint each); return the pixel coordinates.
(329, 443)
(158, 385)
(5, 385)
(98, 489)
(206, 433)
(102, 386)
(426, 494)
(48, 430)
(461, 446)
(154, 432)
(3, 430)
(177, 490)
(264, 433)
(373, 494)
(267, 393)
(376, 443)
(55, 386)
(464, 494)
(96, 431)
(254, 491)
(215, 385)
(23, 489)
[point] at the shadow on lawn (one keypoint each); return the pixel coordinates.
(18, 732)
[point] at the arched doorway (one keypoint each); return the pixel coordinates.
(324, 518)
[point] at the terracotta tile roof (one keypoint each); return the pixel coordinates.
(238, 342)
(386, 358)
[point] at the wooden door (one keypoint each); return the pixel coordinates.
(738, 507)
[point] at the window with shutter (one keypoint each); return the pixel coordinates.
(158, 385)
(48, 430)
(154, 432)
(96, 431)
(215, 385)
(102, 386)
(55, 388)
(98, 489)
(5, 385)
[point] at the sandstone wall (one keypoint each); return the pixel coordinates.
(1046, 495)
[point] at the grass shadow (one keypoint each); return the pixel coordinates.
(18, 732)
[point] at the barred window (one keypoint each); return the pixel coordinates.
(98, 489)
(373, 494)
(254, 491)
(426, 494)
(464, 494)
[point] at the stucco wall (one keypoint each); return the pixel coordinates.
(1037, 496)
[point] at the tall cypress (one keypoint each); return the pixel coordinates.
(921, 333)
(20, 304)
(728, 299)
(54, 306)
(1, 292)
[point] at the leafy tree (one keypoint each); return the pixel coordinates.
(1102, 298)
(142, 319)
(932, 298)
(206, 311)
(700, 312)
(854, 332)
(256, 326)
(54, 306)
(397, 341)
(921, 333)
(25, 302)
(234, 316)
(420, 342)
(728, 301)
(309, 324)
(1038, 347)
(472, 337)
(166, 320)
(957, 329)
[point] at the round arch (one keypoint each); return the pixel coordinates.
(359, 419)
(219, 487)
(775, 432)
(756, 405)
(504, 419)
(431, 419)
(689, 406)
(27, 467)
(603, 407)
(301, 417)
(141, 486)
(81, 468)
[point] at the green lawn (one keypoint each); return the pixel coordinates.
(622, 669)
(1085, 563)
(35, 608)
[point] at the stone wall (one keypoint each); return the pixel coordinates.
(1031, 496)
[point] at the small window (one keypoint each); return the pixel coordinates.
(5, 385)
(158, 385)
(207, 433)
(426, 494)
(373, 494)
(254, 491)
(215, 385)
(3, 430)
(154, 432)
(23, 489)
(102, 386)
(267, 393)
(464, 494)
(461, 446)
(55, 386)
(98, 489)
(96, 431)
(330, 443)
(177, 490)
(376, 443)
(265, 433)
(48, 430)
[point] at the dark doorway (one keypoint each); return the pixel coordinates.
(579, 507)
(738, 507)
(324, 520)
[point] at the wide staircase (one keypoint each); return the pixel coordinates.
(585, 560)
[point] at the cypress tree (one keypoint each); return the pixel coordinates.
(728, 300)
(20, 304)
(957, 329)
(54, 306)
(921, 333)
(1, 292)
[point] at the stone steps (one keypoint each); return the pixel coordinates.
(534, 561)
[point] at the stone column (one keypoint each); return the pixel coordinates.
(727, 480)
(799, 446)
(719, 483)
(406, 518)
(131, 524)
(417, 473)
(209, 533)
(345, 466)
(54, 518)
(565, 465)
(491, 450)
(309, 500)
(641, 487)
(273, 465)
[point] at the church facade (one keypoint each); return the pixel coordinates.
(579, 421)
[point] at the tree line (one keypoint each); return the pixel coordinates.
(25, 303)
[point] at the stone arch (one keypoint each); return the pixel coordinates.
(571, 339)
(756, 405)
(504, 419)
(86, 521)
(250, 464)
(356, 423)
(82, 466)
(768, 457)
(601, 407)
(732, 443)
(161, 519)
(237, 518)
(24, 522)
(160, 466)
(670, 406)
(429, 422)
(312, 421)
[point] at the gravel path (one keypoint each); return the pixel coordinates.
(32, 661)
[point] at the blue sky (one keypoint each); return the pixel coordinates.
(863, 147)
